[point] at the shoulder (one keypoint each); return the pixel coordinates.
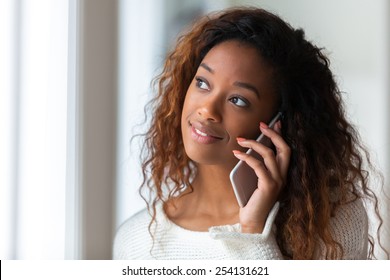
(139, 217)
(132, 236)
(349, 227)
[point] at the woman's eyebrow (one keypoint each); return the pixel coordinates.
(247, 86)
(237, 83)
(205, 66)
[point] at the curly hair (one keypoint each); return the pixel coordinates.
(327, 157)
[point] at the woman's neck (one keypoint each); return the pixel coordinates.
(212, 187)
(212, 201)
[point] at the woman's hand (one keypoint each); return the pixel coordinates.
(271, 175)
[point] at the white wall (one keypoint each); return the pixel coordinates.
(140, 55)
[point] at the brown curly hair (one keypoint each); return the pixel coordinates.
(327, 157)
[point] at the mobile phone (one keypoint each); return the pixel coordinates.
(242, 176)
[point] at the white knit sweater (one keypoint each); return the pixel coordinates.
(133, 241)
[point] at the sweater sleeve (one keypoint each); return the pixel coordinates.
(349, 227)
(249, 246)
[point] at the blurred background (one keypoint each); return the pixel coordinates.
(74, 80)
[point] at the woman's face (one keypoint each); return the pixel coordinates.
(228, 97)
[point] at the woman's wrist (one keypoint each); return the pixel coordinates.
(252, 228)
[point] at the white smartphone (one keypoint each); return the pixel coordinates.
(243, 177)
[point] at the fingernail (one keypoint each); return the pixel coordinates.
(237, 154)
(263, 125)
(240, 139)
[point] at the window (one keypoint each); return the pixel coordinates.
(58, 125)
(34, 39)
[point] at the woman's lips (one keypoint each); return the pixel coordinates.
(203, 135)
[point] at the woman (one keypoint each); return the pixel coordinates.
(221, 85)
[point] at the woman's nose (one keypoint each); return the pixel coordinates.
(210, 109)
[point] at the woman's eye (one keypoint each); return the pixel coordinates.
(202, 84)
(239, 101)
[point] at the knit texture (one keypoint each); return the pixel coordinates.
(171, 242)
